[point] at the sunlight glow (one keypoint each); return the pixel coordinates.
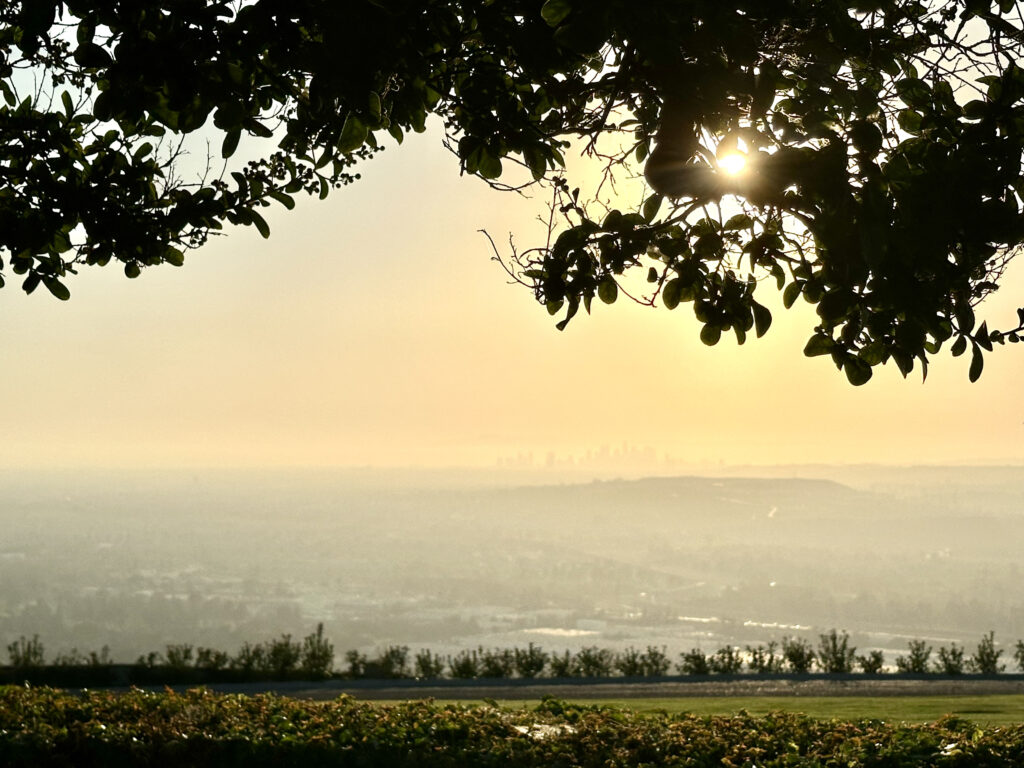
(733, 163)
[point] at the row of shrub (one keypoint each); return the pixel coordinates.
(42, 727)
(313, 658)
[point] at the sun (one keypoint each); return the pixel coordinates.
(733, 163)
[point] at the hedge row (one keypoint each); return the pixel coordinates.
(46, 727)
(313, 658)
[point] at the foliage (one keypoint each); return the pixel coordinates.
(594, 662)
(1018, 655)
(427, 664)
(985, 660)
(562, 665)
(25, 653)
(916, 661)
(316, 658)
(872, 663)
(726, 661)
(883, 142)
(951, 660)
(763, 660)
(529, 661)
(464, 665)
(496, 662)
(835, 655)
(798, 654)
(693, 662)
(45, 727)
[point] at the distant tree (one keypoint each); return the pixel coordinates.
(985, 660)
(882, 143)
(592, 661)
(655, 662)
(872, 662)
(529, 661)
(316, 658)
(178, 656)
(835, 654)
(428, 665)
(496, 662)
(1018, 655)
(951, 660)
(693, 662)
(763, 659)
(798, 654)
(211, 659)
(356, 664)
(726, 661)
(464, 665)
(26, 653)
(563, 665)
(917, 660)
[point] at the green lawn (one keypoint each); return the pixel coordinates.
(983, 710)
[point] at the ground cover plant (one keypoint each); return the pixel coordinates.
(44, 727)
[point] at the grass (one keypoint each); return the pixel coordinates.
(983, 710)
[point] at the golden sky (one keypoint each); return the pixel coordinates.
(372, 329)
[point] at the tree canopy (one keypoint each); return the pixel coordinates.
(882, 142)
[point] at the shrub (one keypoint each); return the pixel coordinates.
(985, 660)
(595, 662)
(316, 659)
(529, 661)
(629, 662)
(915, 662)
(693, 662)
(726, 661)
(798, 654)
(835, 655)
(464, 665)
(872, 663)
(763, 659)
(428, 665)
(25, 653)
(655, 661)
(562, 665)
(951, 660)
(497, 662)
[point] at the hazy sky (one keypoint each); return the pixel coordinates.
(372, 329)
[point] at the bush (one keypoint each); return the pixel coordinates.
(726, 661)
(562, 665)
(693, 662)
(316, 659)
(798, 654)
(529, 662)
(951, 660)
(428, 665)
(985, 660)
(915, 662)
(835, 655)
(594, 662)
(25, 653)
(763, 660)
(464, 665)
(499, 662)
(872, 663)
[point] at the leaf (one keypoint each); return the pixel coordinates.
(762, 319)
(818, 344)
(737, 222)
(353, 135)
(92, 56)
(710, 334)
(261, 224)
(57, 288)
(959, 346)
(791, 294)
(651, 207)
(286, 200)
(554, 12)
(231, 139)
(608, 290)
(131, 270)
(982, 337)
(977, 363)
(857, 372)
(672, 292)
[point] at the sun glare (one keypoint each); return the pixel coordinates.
(733, 163)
